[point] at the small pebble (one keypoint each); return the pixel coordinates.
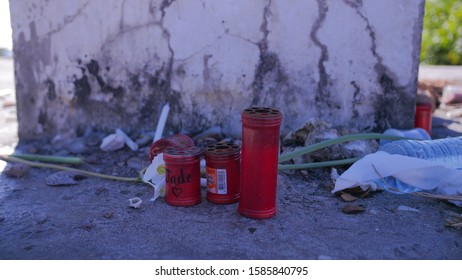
(94, 139)
(108, 214)
(86, 224)
(61, 178)
(76, 146)
(42, 219)
(16, 170)
(353, 209)
(28, 247)
(101, 190)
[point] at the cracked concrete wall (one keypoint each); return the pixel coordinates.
(115, 63)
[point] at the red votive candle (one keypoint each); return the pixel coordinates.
(423, 117)
(223, 162)
(183, 175)
(175, 140)
(259, 164)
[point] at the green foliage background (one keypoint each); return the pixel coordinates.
(442, 33)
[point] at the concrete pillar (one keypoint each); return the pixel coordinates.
(115, 63)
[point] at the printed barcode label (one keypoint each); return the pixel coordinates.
(221, 181)
(216, 180)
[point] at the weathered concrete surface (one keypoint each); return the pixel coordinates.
(104, 64)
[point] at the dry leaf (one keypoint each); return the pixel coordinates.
(454, 221)
(353, 209)
(348, 197)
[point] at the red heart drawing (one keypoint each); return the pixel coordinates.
(177, 191)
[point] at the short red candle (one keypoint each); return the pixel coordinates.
(223, 162)
(182, 175)
(175, 140)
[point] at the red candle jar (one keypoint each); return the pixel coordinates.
(223, 173)
(183, 175)
(259, 164)
(176, 140)
(423, 116)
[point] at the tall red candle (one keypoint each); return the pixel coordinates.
(259, 162)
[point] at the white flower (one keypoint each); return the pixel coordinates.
(155, 176)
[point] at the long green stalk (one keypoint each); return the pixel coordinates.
(330, 142)
(64, 168)
(52, 159)
(317, 164)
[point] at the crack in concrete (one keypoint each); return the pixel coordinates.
(164, 5)
(322, 95)
(68, 20)
(356, 5)
(123, 28)
(391, 93)
(268, 62)
(265, 65)
(199, 50)
(169, 71)
(263, 44)
(226, 31)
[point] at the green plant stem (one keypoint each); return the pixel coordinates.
(52, 159)
(330, 142)
(64, 168)
(310, 165)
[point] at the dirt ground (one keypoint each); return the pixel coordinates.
(90, 218)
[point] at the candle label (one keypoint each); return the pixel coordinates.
(216, 180)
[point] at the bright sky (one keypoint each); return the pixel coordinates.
(5, 25)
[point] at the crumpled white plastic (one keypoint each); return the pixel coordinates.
(155, 173)
(155, 176)
(423, 175)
